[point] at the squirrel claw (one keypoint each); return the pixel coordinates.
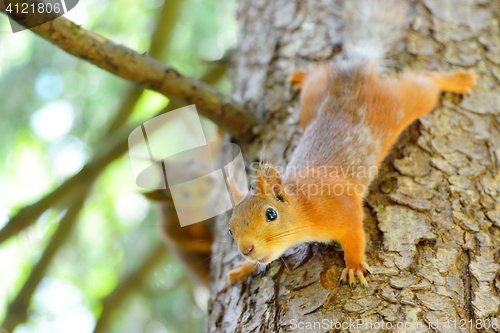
(351, 274)
(366, 268)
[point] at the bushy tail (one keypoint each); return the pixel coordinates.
(372, 27)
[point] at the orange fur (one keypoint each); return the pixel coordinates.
(351, 118)
(313, 85)
(242, 272)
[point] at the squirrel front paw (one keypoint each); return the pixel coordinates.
(244, 270)
(355, 270)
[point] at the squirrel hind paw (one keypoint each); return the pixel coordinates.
(460, 82)
(466, 79)
(297, 79)
(350, 274)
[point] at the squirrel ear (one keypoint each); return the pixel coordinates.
(236, 194)
(269, 181)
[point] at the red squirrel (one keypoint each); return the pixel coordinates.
(351, 115)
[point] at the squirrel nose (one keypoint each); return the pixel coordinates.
(247, 250)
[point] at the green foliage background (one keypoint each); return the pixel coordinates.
(117, 226)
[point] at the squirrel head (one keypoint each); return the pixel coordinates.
(263, 223)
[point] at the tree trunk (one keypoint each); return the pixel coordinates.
(432, 215)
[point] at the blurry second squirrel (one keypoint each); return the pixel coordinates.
(191, 244)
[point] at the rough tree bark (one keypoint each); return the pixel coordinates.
(433, 213)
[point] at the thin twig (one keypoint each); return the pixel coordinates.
(160, 42)
(71, 189)
(18, 309)
(128, 284)
(229, 115)
(116, 145)
(131, 97)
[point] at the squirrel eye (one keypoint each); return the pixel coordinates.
(229, 232)
(271, 214)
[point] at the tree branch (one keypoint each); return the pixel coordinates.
(18, 308)
(128, 284)
(229, 115)
(164, 30)
(70, 189)
(67, 191)
(160, 41)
